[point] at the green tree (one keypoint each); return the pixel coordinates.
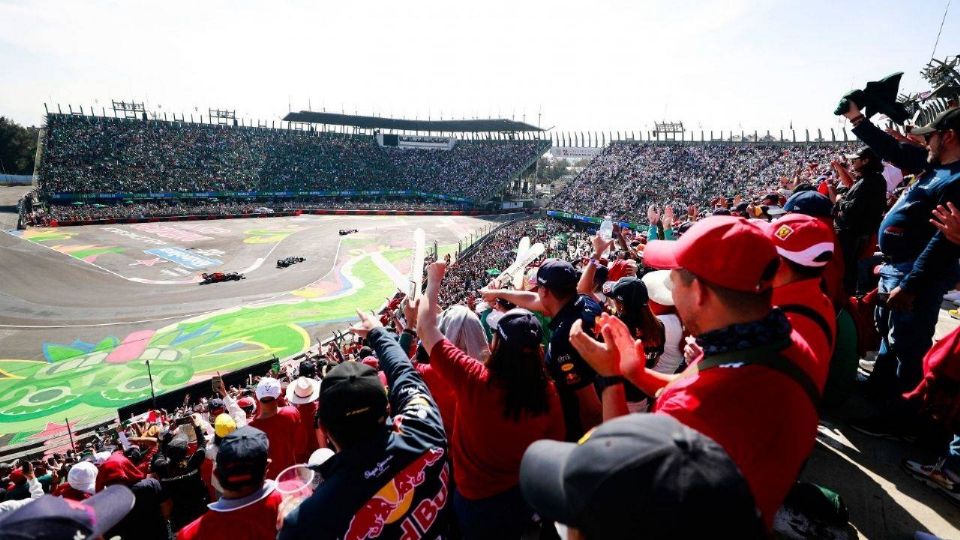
(18, 146)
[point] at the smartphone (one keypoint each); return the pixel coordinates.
(215, 383)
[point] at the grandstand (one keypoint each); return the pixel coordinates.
(108, 159)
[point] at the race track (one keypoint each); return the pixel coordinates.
(82, 308)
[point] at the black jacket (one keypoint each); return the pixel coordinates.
(861, 209)
(394, 487)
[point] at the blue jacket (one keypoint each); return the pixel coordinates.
(395, 486)
(906, 233)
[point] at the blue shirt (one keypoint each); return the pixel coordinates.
(906, 233)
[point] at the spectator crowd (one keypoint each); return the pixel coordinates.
(88, 154)
(664, 382)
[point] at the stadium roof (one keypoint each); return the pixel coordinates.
(374, 122)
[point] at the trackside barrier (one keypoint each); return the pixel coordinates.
(319, 211)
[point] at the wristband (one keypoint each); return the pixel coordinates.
(603, 382)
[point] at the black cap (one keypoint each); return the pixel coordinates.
(352, 398)
(308, 368)
(630, 291)
(721, 212)
(520, 329)
(770, 199)
(948, 119)
(640, 475)
(811, 203)
(742, 208)
(864, 152)
(365, 352)
(242, 458)
(556, 274)
(56, 518)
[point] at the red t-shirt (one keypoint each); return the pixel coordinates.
(308, 412)
(283, 432)
(487, 447)
(443, 394)
(807, 293)
(761, 417)
(255, 521)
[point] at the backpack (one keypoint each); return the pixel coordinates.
(938, 394)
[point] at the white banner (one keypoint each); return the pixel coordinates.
(574, 151)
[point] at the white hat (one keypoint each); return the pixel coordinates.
(320, 456)
(658, 287)
(268, 387)
(303, 390)
(83, 477)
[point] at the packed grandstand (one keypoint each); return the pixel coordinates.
(711, 300)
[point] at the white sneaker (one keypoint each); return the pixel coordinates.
(952, 296)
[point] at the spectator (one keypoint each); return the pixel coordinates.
(282, 426)
(147, 518)
(376, 467)
(303, 393)
(859, 212)
(81, 482)
(50, 517)
(557, 298)
(503, 405)
(920, 264)
(250, 503)
(642, 472)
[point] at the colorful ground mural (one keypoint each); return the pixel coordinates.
(87, 382)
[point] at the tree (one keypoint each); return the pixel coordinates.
(18, 146)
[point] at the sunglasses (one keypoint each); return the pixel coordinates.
(928, 136)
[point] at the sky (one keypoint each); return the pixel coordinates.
(589, 65)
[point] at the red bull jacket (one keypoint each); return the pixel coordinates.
(394, 487)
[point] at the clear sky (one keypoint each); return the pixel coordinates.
(587, 65)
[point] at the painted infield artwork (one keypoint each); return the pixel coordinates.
(86, 382)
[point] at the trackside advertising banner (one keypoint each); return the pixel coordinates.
(66, 197)
(592, 220)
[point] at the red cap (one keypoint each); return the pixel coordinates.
(246, 402)
(802, 239)
(726, 251)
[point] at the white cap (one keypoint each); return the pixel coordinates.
(83, 477)
(268, 387)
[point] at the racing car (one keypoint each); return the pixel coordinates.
(344, 232)
(283, 263)
(218, 277)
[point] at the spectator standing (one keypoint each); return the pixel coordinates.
(557, 297)
(81, 482)
(761, 406)
(303, 393)
(920, 264)
(386, 480)
(504, 404)
(281, 424)
(147, 518)
(250, 503)
(859, 212)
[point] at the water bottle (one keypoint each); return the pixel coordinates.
(606, 228)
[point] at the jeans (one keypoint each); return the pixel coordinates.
(505, 515)
(906, 336)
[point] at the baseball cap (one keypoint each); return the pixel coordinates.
(726, 251)
(83, 477)
(811, 203)
(802, 239)
(630, 291)
(268, 387)
(770, 199)
(246, 402)
(308, 368)
(864, 152)
(519, 328)
(557, 274)
(640, 474)
(352, 397)
(224, 425)
(242, 458)
(303, 390)
(56, 518)
(775, 210)
(948, 119)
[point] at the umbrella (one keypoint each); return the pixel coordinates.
(493, 272)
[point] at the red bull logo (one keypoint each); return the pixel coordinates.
(393, 501)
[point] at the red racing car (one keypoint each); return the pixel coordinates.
(218, 277)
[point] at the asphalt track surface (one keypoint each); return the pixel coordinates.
(81, 308)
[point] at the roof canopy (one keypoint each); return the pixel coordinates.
(374, 122)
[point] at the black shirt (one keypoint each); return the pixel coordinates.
(570, 372)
